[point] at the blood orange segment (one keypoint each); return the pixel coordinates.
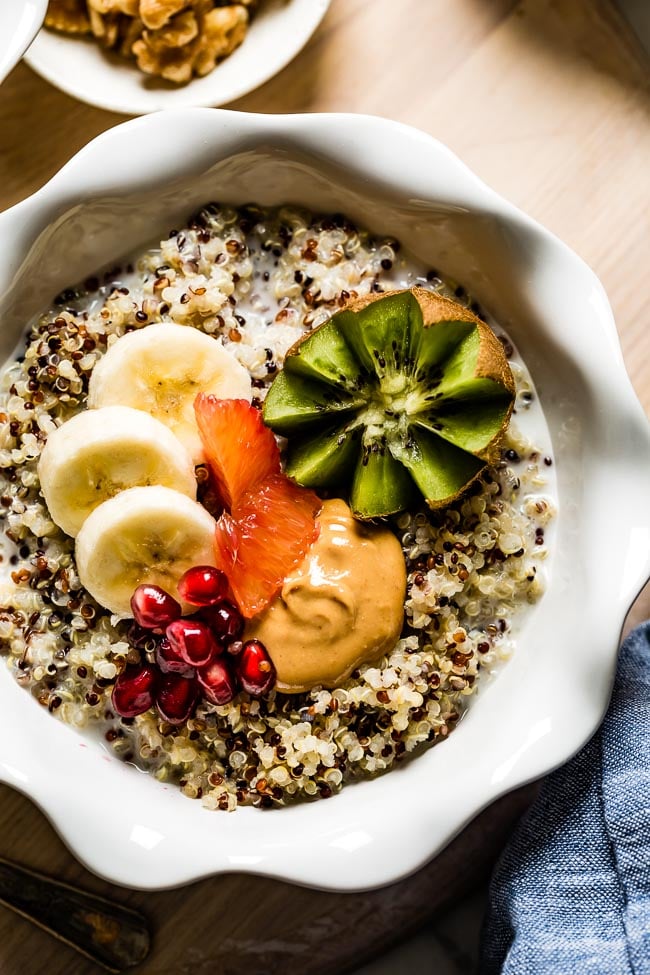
(264, 538)
(269, 521)
(240, 449)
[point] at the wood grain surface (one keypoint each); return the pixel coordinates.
(549, 102)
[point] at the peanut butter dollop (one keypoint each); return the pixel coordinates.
(342, 606)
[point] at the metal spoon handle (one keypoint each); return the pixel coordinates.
(110, 935)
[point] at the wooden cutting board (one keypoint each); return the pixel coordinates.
(547, 100)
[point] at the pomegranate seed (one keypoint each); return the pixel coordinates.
(235, 647)
(217, 682)
(203, 586)
(177, 697)
(255, 669)
(153, 608)
(134, 691)
(193, 642)
(225, 621)
(169, 660)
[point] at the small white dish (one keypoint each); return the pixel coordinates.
(20, 21)
(126, 187)
(81, 68)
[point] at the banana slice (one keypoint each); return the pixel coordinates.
(160, 369)
(145, 534)
(99, 453)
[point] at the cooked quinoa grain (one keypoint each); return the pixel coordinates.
(257, 279)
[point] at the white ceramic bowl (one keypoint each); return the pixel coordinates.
(126, 187)
(80, 67)
(20, 21)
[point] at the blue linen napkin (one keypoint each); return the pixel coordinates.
(571, 892)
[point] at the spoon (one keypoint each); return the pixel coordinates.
(113, 936)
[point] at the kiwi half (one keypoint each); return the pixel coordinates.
(397, 392)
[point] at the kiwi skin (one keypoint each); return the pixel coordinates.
(491, 364)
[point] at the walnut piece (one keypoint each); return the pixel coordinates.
(132, 32)
(174, 64)
(177, 33)
(128, 7)
(168, 52)
(69, 16)
(155, 13)
(105, 27)
(222, 30)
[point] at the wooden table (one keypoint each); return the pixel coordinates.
(548, 101)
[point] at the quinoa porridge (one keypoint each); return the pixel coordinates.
(259, 279)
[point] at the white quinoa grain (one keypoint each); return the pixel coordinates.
(257, 279)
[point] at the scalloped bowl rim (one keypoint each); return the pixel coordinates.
(378, 831)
